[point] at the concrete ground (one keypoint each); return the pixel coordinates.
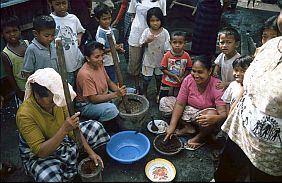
(190, 165)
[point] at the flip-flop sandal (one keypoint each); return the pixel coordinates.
(196, 146)
(7, 169)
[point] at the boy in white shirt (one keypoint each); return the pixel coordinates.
(229, 41)
(70, 30)
(103, 15)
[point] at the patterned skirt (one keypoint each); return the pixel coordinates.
(207, 22)
(61, 166)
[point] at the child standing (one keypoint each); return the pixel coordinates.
(41, 53)
(103, 16)
(70, 30)
(12, 55)
(176, 65)
(229, 41)
(155, 39)
(240, 65)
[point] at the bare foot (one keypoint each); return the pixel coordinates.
(187, 130)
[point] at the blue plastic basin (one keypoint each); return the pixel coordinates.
(128, 146)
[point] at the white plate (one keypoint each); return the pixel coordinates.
(160, 124)
(160, 170)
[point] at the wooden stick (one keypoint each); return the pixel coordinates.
(117, 69)
(63, 73)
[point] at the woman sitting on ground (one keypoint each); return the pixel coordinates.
(93, 85)
(47, 146)
(198, 92)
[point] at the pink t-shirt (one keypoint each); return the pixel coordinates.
(91, 82)
(189, 94)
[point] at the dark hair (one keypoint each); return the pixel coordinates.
(101, 9)
(230, 31)
(270, 23)
(243, 61)
(178, 33)
(42, 91)
(157, 12)
(91, 46)
(9, 21)
(204, 59)
(43, 22)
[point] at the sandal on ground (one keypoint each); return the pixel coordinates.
(192, 146)
(7, 169)
(184, 132)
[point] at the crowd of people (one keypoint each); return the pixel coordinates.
(202, 94)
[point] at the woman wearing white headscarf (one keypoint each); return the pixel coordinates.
(47, 147)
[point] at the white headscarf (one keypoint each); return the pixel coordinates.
(50, 79)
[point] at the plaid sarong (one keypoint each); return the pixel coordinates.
(61, 166)
(207, 22)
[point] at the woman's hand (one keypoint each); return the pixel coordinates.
(95, 157)
(121, 91)
(71, 123)
(205, 120)
(169, 131)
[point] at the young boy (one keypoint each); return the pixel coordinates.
(176, 65)
(12, 55)
(41, 53)
(103, 16)
(229, 41)
(70, 30)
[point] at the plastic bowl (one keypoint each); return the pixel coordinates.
(127, 147)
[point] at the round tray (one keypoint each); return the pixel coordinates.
(158, 123)
(177, 147)
(160, 170)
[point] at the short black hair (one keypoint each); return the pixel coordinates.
(157, 12)
(230, 31)
(243, 61)
(101, 9)
(9, 21)
(178, 33)
(91, 46)
(204, 59)
(271, 23)
(43, 22)
(42, 91)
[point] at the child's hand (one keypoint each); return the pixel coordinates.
(150, 38)
(119, 47)
(176, 78)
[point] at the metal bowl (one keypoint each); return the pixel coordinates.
(177, 147)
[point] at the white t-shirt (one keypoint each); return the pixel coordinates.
(67, 28)
(226, 66)
(155, 51)
(231, 93)
(139, 23)
(101, 37)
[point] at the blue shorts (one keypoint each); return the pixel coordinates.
(101, 112)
